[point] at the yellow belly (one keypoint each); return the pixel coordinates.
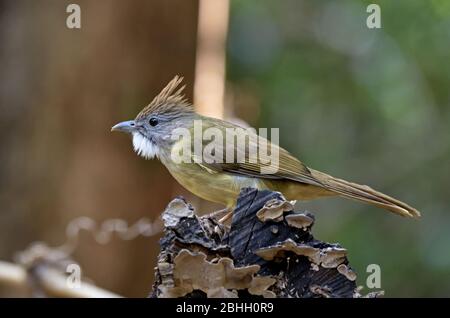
(217, 187)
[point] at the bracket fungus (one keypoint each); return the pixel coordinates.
(218, 278)
(274, 209)
(268, 251)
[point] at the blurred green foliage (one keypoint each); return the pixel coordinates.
(368, 105)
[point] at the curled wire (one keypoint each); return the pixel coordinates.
(103, 232)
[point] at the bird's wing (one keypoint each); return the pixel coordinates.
(247, 159)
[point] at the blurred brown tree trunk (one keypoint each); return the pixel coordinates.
(61, 91)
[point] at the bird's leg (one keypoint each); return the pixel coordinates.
(222, 215)
(226, 217)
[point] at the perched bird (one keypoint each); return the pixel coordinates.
(220, 181)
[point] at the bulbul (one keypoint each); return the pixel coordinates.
(220, 181)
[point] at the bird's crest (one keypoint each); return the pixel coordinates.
(170, 100)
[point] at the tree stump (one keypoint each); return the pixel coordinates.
(268, 251)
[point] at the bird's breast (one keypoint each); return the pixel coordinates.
(219, 187)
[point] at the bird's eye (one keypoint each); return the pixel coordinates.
(153, 121)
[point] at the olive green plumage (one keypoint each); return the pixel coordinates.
(221, 181)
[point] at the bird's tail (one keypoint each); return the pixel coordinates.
(365, 194)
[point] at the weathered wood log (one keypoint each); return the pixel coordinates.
(268, 251)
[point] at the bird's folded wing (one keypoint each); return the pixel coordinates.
(247, 159)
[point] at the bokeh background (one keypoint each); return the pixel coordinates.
(368, 105)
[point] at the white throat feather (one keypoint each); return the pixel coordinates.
(144, 147)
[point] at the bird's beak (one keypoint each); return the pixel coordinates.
(125, 126)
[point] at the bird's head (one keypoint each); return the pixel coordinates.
(152, 128)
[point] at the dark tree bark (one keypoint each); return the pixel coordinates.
(267, 251)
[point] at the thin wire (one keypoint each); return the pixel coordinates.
(104, 232)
